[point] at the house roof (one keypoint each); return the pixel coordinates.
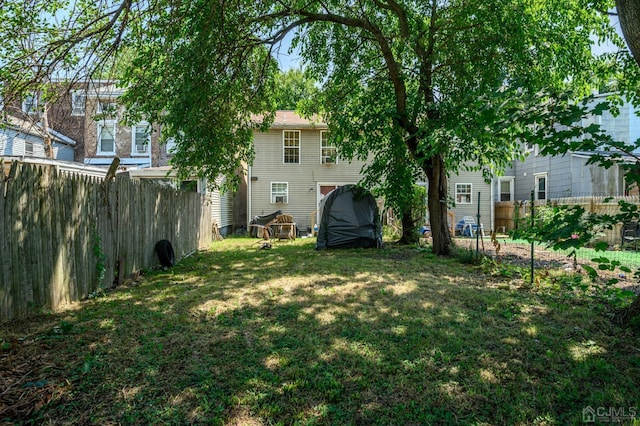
(61, 165)
(153, 172)
(105, 89)
(34, 129)
(286, 119)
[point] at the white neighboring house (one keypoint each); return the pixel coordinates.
(569, 175)
(471, 195)
(22, 139)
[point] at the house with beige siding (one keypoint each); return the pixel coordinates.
(470, 195)
(294, 168)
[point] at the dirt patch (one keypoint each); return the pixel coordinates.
(520, 255)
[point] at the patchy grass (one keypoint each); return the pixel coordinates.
(237, 335)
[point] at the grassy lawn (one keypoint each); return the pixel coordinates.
(238, 335)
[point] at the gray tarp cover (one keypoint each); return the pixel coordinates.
(349, 219)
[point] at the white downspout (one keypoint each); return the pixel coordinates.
(249, 214)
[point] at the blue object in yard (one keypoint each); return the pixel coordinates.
(464, 228)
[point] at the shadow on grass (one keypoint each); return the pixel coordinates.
(237, 335)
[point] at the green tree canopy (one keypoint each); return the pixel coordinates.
(431, 85)
(293, 87)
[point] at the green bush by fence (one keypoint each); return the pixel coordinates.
(63, 236)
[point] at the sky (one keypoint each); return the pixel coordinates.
(287, 60)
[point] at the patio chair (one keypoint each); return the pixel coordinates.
(284, 228)
(630, 233)
(262, 231)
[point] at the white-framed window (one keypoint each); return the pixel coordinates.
(107, 137)
(291, 146)
(30, 104)
(279, 192)
(108, 108)
(78, 102)
(328, 151)
(171, 145)
(28, 148)
(541, 186)
(140, 139)
(463, 193)
(506, 189)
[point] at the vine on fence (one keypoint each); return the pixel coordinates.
(101, 268)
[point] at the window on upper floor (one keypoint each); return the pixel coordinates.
(108, 108)
(463, 193)
(30, 104)
(140, 139)
(529, 147)
(107, 138)
(78, 102)
(28, 148)
(279, 192)
(328, 151)
(291, 146)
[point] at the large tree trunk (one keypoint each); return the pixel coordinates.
(409, 231)
(629, 15)
(437, 201)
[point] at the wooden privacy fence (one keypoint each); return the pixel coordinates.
(505, 211)
(62, 237)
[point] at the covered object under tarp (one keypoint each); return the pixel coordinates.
(349, 219)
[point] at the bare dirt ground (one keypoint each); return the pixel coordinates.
(520, 255)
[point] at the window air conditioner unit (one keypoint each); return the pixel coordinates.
(279, 198)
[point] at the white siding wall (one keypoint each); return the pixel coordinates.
(62, 152)
(477, 185)
(222, 209)
(13, 143)
(303, 178)
(226, 210)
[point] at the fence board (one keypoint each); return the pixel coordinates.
(505, 211)
(54, 228)
(5, 257)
